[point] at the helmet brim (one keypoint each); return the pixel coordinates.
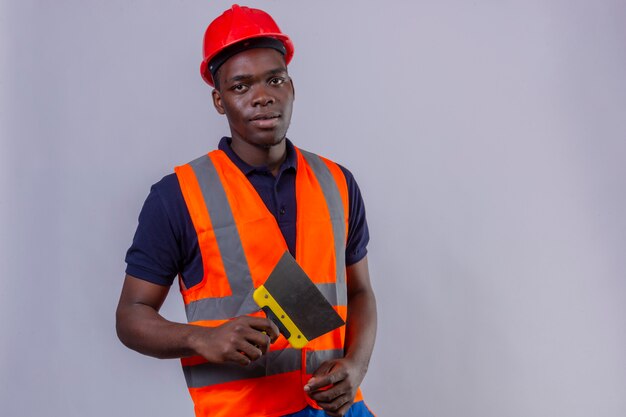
(206, 74)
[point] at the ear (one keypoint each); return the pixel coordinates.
(217, 101)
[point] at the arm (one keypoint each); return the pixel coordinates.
(345, 375)
(140, 327)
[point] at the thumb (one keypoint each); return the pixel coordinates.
(319, 378)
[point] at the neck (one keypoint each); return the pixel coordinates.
(270, 156)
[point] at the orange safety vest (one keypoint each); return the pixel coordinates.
(240, 243)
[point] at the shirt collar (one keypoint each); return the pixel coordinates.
(289, 162)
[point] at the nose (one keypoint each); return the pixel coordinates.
(262, 96)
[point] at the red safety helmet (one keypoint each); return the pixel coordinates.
(235, 25)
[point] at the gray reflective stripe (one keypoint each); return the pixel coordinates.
(221, 308)
(314, 358)
(329, 291)
(230, 247)
(273, 363)
(225, 308)
(336, 210)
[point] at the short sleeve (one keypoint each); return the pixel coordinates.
(358, 232)
(155, 254)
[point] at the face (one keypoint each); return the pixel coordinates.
(256, 95)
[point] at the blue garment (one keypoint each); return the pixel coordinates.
(166, 244)
(357, 410)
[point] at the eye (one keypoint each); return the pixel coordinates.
(276, 81)
(239, 88)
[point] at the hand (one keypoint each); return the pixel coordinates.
(334, 385)
(241, 340)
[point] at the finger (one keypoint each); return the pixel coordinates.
(265, 325)
(247, 330)
(324, 369)
(342, 411)
(238, 358)
(271, 329)
(328, 395)
(249, 351)
(274, 333)
(264, 347)
(319, 382)
(319, 373)
(259, 340)
(338, 406)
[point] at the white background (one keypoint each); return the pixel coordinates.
(488, 138)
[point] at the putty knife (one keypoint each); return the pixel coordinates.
(293, 302)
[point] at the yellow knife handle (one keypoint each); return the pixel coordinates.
(265, 300)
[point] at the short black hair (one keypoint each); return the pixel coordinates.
(216, 78)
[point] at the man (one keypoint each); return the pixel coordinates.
(222, 222)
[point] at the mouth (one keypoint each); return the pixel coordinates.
(266, 120)
(265, 116)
